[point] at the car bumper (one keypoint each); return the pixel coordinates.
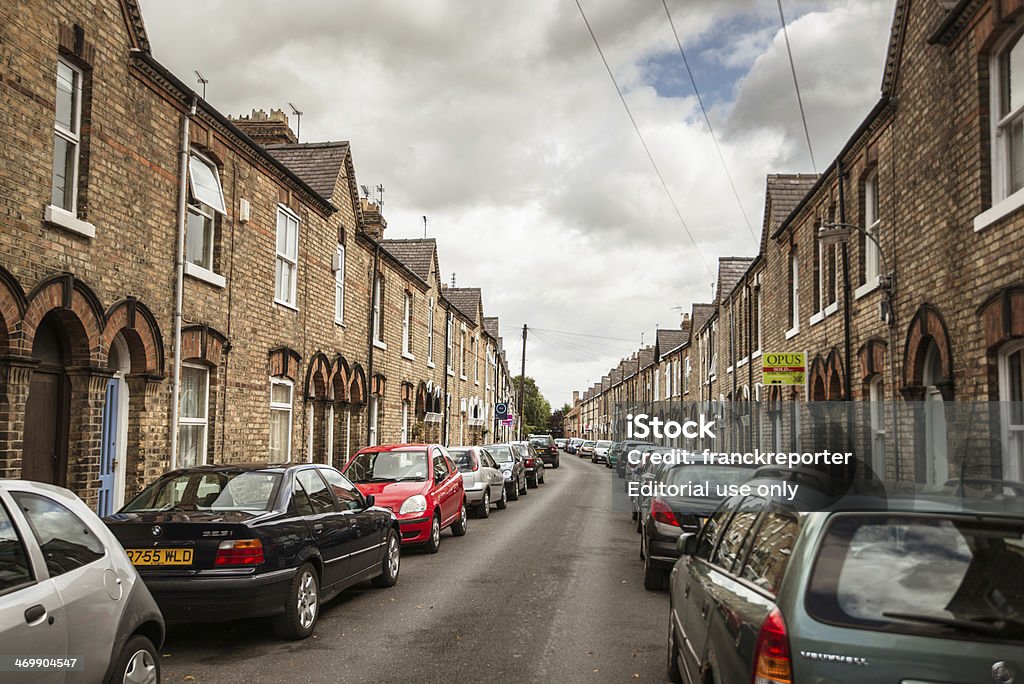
(415, 530)
(600, 458)
(219, 599)
(474, 493)
(549, 459)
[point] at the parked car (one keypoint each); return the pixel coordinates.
(513, 468)
(573, 446)
(619, 454)
(560, 443)
(663, 518)
(586, 449)
(532, 462)
(546, 449)
(68, 590)
(224, 542)
(601, 449)
(877, 589)
(419, 483)
(481, 477)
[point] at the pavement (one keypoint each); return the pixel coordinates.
(549, 589)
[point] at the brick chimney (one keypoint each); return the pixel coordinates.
(373, 222)
(266, 129)
(575, 398)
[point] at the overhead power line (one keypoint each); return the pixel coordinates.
(643, 142)
(707, 120)
(796, 85)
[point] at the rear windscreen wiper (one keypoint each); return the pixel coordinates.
(992, 626)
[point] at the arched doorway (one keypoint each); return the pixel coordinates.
(45, 448)
(113, 447)
(937, 463)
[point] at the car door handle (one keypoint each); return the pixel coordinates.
(686, 591)
(318, 528)
(704, 609)
(35, 614)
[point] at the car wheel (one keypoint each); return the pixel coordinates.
(460, 526)
(138, 662)
(532, 484)
(654, 578)
(513, 492)
(633, 514)
(303, 606)
(503, 501)
(434, 542)
(525, 487)
(484, 511)
(555, 466)
(542, 477)
(639, 522)
(392, 558)
(607, 464)
(674, 675)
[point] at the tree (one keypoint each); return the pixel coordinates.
(536, 409)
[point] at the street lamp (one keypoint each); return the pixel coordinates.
(831, 233)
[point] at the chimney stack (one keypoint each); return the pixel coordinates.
(373, 222)
(266, 129)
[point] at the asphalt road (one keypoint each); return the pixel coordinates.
(549, 589)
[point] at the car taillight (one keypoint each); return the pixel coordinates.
(529, 463)
(662, 513)
(239, 552)
(772, 664)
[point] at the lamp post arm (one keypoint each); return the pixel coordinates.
(866, 233)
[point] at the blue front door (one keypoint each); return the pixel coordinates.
(108, 451)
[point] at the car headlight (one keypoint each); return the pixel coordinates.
(414, 504)
(507, 474)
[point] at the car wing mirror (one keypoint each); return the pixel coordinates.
(369, 500)
(686, 545)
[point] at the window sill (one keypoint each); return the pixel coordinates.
(743, 362)
(817, 318)
(340, 324)
(68, 221)
(867, 288)
(729, 369)
(287, 305)
(462, 377)
(408, 357)
(831, 308)
(451, 373)
(792, 332)
(756, 355)
(430, 364)
(207, 276)
(380, 345)
(998, 211)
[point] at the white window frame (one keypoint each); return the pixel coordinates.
(794, 312)
(450, 344)
(462, 352)
(339, 285)
(430, 332)
(378, 312)
(208, 213)
(184, 421)
(872, 221)
(405, 422)
(1012, 433)
(475, 345)
(407, 327)
(372, 418)
(287, 215)
(72, 137)
(283, 407)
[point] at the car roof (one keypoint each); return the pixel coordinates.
(241, 467)
(396, 447)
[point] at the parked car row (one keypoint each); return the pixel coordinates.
(229, 541)
(864, 587)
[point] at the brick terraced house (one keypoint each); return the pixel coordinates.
(899, 270)
(178, 287)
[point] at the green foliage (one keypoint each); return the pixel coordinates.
(536, 409)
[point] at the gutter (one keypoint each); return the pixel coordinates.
(370, 338)
(179, 277)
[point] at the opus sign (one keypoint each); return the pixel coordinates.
(784, 368)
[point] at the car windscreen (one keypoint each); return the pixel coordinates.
(501, 452)
(243, 490)
(946, 576)
(542, 441)
(463, 459)
(712, 475)
(388, 466)
(604, 444)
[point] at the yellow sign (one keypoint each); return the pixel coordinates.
(783, 368)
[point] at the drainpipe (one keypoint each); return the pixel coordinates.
(370, 341)
(449, 331)
(179, 277)
(847, 332)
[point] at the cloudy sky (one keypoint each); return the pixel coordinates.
(498, 121)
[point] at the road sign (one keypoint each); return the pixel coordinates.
(783, 368)
(501, 411)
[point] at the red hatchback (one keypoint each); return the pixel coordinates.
(419, 483)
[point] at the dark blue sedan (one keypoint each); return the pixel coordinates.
(218, 543)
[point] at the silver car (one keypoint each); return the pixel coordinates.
(601, 450)
(69, 595)
(481, 477)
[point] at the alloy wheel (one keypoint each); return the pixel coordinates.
(141, 669)
(435, 531)
(307, 600)
(394, 555)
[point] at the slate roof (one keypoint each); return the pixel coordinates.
(415, 254)
(730, 270)
(701, 314)
(465, 299)
(646, 357)
(318, 164)
(491, 326)
(669, 339)
(785, 192)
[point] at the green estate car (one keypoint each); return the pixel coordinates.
(869, 588)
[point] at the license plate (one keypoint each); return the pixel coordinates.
(160, 556)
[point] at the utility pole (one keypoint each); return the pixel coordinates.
(522, 387)
(298, 121)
